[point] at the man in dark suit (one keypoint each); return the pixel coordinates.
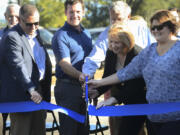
(25, 72)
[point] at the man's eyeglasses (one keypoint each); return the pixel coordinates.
(161, 26)
(30, 24)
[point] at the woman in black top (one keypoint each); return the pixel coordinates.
(121, 52)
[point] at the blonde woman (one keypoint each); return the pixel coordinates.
(121, 51)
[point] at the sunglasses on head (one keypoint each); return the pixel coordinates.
(30, 24)
(160, 27)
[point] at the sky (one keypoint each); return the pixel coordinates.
(3, 6)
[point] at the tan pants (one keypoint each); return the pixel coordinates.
(1, 124)
(28, 123)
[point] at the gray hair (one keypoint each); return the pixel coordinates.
(16, 7)
(120, 6)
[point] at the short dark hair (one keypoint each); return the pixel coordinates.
(27, 10)
(72, 2)
(165, 16)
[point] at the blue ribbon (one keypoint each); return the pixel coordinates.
(124, 110)
(86, 95)
(135, 109)
(29, 106)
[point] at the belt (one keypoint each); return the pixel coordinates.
(72, 81)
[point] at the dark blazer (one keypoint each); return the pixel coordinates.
(19, 72)
(128, 92)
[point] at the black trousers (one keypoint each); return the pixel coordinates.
(68, 94)
(130, 125)
(167, 128)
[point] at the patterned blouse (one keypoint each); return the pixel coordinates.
(161, 75)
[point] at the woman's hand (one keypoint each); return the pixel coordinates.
(108, 102)
(112, 79)
(92, 84)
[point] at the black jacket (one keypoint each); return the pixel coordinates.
(128, 92)
(19, 72)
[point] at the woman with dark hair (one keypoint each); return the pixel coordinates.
(159, 65)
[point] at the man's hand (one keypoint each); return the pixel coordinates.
(82, 77)
(108, 102)
(35, 96)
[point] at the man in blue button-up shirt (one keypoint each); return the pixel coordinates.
(71, 44)
(120, 13)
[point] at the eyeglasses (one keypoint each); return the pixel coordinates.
(30, 24)
(161, 26)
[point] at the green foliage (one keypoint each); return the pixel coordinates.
(149, 7)
(97, 11)
(2, 25)
(51, 13)
(97, 14)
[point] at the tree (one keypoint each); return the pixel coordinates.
(96, 14)
(51, 13)
(149, 7)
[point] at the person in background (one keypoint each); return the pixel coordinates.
(71, 44)
(159, 65)
(121, 51)
(178, 34)
(175, 12)
(138, 17)
(12, 17)
(26, 72)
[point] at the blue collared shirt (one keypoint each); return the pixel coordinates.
(70, 43)
(39, 54)
(142, 37)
